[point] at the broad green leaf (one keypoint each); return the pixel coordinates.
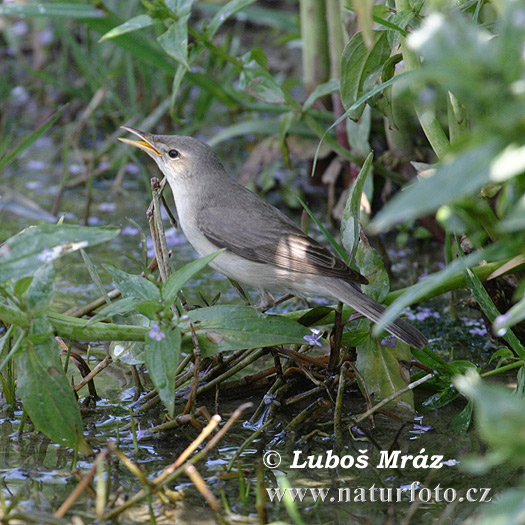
(460, 422)
(225, 12)
(380, 368)
(131, 285)
(399, 22)
(45, 391)
(441, 398)
(35, 246)
(175, 42)
(162, 358)
(120, 306)
(179, 278)
(361, 68)
(40, 291)
(350, 222)
(223, 328)
(257, 81)
(372, 267)
(133, 24)
(51, 9)
(358, 132)
(455, 178)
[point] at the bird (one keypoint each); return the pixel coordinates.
(263, 248)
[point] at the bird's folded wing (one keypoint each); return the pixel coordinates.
(264, 235)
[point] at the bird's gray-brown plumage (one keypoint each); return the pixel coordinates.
(263, 248)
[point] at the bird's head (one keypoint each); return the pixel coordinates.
(177, 156)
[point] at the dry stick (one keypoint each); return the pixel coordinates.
(338, 431)
(202, 487)
(206, 431)
(157, 231)
(132, 467)
(383, 402)
(196, 370)
(158, 483)
(83, 484)
(103, 364)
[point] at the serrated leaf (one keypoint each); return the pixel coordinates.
(45, 392)
(162, 358)
(36, 246)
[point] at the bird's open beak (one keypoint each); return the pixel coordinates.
(143, 144)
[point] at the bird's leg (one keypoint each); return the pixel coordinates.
(267, 301)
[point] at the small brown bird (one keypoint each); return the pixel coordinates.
(263, 248)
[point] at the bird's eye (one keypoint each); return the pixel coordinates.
(173, 153)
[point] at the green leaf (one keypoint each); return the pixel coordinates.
(224, 13)
(175, 42)
(361, 68)
(257, 81)
(460, 422)
(350, 222)
(35, 246)
(223, 328)
(133, 24)
(372, 267)
(380, 368)
(162, 358)
(41, 289)
(447, 184)
(131, 285)
(45, 392)
(178, 279)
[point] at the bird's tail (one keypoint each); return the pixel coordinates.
(351, 294)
